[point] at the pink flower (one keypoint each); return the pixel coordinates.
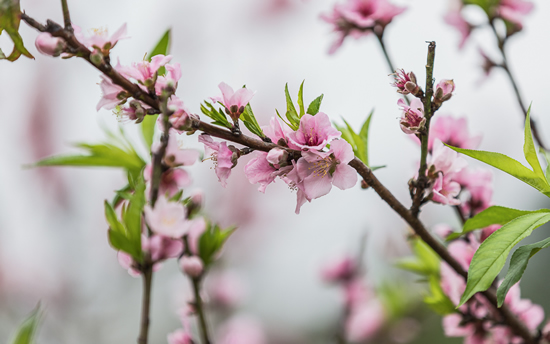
(455, 18)
(443, 166)
(295, 182)
(405, 82)
(225, 289)
(176, 156)
(181, 119)
(452, 131)
(180, 337)
(224, 157)
(49, 45)
(167, 218)
(235, 102)
(315, 132)
(100, 38)
(112, 94)
(365, 321)
(413, 119)
(145, 71)
(442, 230)
(172, 180)
(241, 330)
(444, 91)
(320, 170)
(192, 265)
(162, 247)
(445, 191)
(479, 183)
(339, 270)
(359, 17)
(265, 167)
(173, 75)
(277, 132)
(486, 232)
(514, 10)
(127, 262)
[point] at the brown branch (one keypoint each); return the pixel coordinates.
(66, 15)
(364, 171)
(147, 276)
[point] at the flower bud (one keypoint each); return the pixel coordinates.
(192, 265)
(96, 57)
(49, 45)
(444, 91)
(278, 157)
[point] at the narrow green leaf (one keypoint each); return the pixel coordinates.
(491, 216)
(510, 166)
(547, 158)
(529, 148)
(358, 144)
(301, 100)
(285, 122)
(10, 18)
(162, 48)
(148, 129)
(120, 242)
(425, 261)
(112, 219)
(518, 264)
(315, 105)
(250, 122)
(132, 218)
(212, 241)
(219, 118)
(437, 300)
(291, 113)
(27, 330)
(364, 134)
(491, 254)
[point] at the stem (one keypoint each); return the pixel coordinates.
(388, 59)
(504, 65)
(196, 283)
(158, 156)
(66, 15)
(422, 182)
(146, 301)
(363, 170)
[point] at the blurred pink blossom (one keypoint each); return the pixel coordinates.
(340, 269)
(100, 39)
(454, 18)
(225, 289)
(452, 131)
(241, 330)
(167, 218)
(191, 265)
(514, 10)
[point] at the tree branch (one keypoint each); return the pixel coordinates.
(364, 171)
(147, 276)
(66, 16)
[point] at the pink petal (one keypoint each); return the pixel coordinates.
(344, 177)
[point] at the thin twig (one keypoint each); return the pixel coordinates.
(422, 181)
(380, 37)
(363, 170)
(147, 276)
(66, 16)
(504, 65)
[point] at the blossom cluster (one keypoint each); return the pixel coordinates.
(311, 175)
(357, 18)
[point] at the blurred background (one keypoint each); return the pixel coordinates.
(53, 242)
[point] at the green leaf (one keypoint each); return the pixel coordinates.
(250, 122)
(119, 236)
(99, 155)
(547, 158)
(27, 330)
(508, 165)
(359, 142)
(112, 219)
(10, 18)
(211, 242)
(491, 254)
(219, 118)
(291, 113)
(518, 264)
(529, 148)
(162, 48)
(491, 216)
(315, 105)
(437, 300)
(285, 122)
(132, 217)
(301, 100)
(148, 129)
(425, 261)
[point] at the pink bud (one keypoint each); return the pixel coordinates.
(277, 157)
(444, 90)
(49, 45)
(192, 265)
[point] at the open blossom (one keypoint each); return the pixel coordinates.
(405, 82)
(172, 76)
(100, 39)
(241, 330)
(413, 119)
(314, 132)
(145, 72)
(320, 170)
(443, 166)
(261, 170)
(49, 45)
(277, 132)
(160, 248)
(235, 102)
(112, 94)
(514, 10)
(167, 218)
(224, 157)
(452, 131)
(359, 17)
(454, 18)
(175, 155)
(183, 335)
(171, 181)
